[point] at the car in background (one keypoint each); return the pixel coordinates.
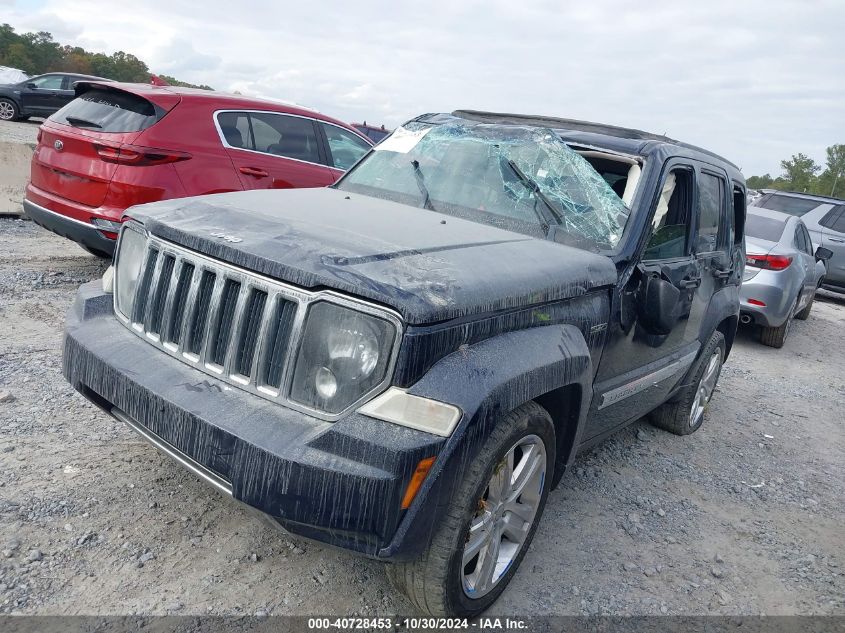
(782, 273)
(39, 96)
(375, 134)
(824, 217)
(117, 145)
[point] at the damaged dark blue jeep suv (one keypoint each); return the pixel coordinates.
(406, 363)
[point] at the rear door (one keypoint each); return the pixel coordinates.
(274, 151)
(804, 248)
(833, 238)
(66, 94)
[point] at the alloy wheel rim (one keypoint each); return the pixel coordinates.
(706, 387)
(506, 512)
(6, 111)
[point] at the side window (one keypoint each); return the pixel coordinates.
(670, 224)
(835, 219)
(50, 82)
(807, 239)
(737, 220)
(345, 147)
(284, 135)
(711, 204)
(800, 242)
(236, 129)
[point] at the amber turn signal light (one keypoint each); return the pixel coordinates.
(416, 481)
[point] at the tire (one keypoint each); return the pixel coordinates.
(805, 313)
(438, 582)
(684, 414)
(776, 336)
(9, 110)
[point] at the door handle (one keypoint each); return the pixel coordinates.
(253, 171)
(690, 282)
(837, 240)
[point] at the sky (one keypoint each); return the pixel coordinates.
(755, 80)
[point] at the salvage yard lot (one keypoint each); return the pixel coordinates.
(743, 517)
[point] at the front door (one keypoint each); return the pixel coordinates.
(274, 151)
(833, 238)
(41, 94)
(639, 366)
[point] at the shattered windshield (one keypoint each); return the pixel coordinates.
(523, 179)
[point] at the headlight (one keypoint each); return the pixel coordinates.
(130, 256)
(344, 354)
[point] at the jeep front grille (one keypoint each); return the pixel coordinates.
(231, 323)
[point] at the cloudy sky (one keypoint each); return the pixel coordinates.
(755, 80)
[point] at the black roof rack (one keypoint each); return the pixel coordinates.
(580, 126)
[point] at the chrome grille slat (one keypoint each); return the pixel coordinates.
(208, 320)
(198, 321)
(177, 303)
(158, 295)
(247, 335)
(167, 309)
(190, 302)
(277, 343)
(142, 292)
(152, 292)
(245, 339)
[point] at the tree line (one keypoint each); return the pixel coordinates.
(37, 53)
(801, 173)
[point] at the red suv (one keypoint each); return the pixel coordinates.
(117, 145)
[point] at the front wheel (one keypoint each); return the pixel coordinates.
(685, 413)
(490, 522)
(8, 110)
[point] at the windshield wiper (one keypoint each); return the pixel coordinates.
(556, 216)
(77, 122)
(421, 184)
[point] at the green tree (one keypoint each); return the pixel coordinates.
(184, 84)
(760, 182)
(831, 182)
(37, 53)
(799, 173)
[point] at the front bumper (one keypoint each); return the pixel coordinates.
(340, 483)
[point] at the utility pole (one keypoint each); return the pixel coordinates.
(833, 188)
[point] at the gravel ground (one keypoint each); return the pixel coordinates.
(743, 517)
(20, 131)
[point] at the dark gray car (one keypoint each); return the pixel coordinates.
(782, 273)
(825, 220)
(39, 96)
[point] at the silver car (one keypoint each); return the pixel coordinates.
(782, 273)
(824, 218)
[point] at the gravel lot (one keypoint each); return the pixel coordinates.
(744, 517)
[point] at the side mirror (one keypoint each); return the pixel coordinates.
(823, 254)
(31, 86)
(657, 305)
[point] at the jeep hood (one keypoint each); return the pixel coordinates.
(428, 266)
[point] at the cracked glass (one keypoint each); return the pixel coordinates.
(524, 179)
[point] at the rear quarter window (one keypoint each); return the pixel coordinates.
(109, 111)
(763, 228)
